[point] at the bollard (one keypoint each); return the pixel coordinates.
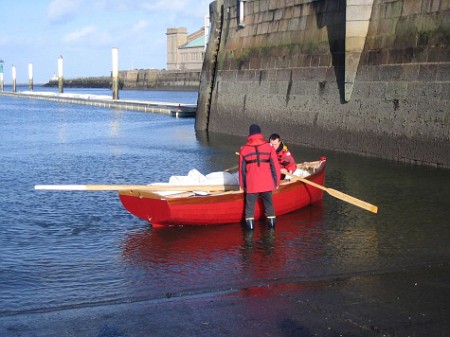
(60, 75)
(2, 79)
(30, 77)
(115, 73)
(13, 78)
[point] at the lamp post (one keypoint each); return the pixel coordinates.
(2, 80)
(60, 75)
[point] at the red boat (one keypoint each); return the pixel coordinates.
(223, 207)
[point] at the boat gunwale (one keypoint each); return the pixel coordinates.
(285, 185)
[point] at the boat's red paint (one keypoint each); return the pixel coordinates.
(218, 209)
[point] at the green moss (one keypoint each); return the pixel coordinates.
(268, 50)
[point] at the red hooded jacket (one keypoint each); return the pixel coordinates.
(285, 158)
(258, 166)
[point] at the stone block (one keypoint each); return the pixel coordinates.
(304, 60)
(274, 88)
(427, 72)
(283, 25)
(268, 17)
(367, 74)
(410, 72)
(373, 28)
(405, 37)
(390, 72)
(278, 14)
(297, 12)
(445, 5)
(263, 28)
(359, 13)
(308, 9)
(290, 3)
(404, 55)
(439, 54)
(387, 42)
(412, 7)
(387, 26)
(430, 6)
(272, 4)
(273, 27)
(357, 28)
(263, 5)
(375, 57)
(393, 9)
(302, 23)
(443, 74)
(288, 13)
(282, 3)
(283, 74)
(396, 90)
(354, 43)
(294, 24)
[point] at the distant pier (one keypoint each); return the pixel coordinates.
(174, 109)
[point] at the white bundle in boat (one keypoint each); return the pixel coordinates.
(194, 177)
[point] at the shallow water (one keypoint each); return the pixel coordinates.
(69, 249)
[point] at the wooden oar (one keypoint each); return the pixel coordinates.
(338, 194)
(232, 168)
(160, 188)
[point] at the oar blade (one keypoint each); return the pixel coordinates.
(61, 187)
(352, 200)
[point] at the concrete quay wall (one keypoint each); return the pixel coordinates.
(160, 79)
(143, 79)
(370, 77)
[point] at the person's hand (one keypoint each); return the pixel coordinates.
(284, 171)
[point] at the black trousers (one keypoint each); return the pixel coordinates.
(250, 201)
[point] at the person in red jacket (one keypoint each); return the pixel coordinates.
(258, 175)
(285, 158)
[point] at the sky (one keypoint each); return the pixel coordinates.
(84, 32)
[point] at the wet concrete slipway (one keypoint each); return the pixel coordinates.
(402, 302)
(77, 264)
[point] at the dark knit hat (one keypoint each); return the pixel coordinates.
(254, 129)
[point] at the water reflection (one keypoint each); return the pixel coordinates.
(226, 254)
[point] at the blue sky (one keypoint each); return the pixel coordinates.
(84, 32)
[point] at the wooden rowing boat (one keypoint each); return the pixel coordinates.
(221, 207)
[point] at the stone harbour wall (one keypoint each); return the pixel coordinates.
(370, 77)
(143, 79)
(160, 79)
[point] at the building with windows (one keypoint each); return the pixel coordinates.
(185, 51)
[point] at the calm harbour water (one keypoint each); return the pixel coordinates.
(71, 249)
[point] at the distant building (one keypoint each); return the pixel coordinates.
(185, 51)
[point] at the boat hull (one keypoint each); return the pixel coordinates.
(221, 208)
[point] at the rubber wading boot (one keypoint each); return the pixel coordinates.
(271, 220)
(250, 223)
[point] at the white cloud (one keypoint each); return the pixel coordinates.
(184, 7)
(62, 10)
(139, 26)
(79, 34)
(173, 5)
